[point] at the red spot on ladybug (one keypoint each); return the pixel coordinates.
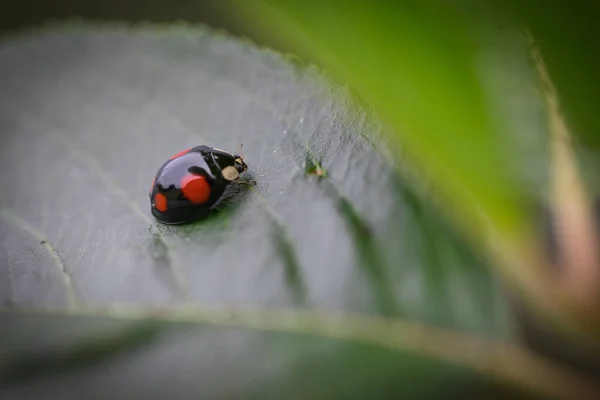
(180, 153)
(160, 202)
(195, 188)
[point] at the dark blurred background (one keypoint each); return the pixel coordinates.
(37, 11)
(220, 14)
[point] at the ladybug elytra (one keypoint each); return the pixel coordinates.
(190, 184)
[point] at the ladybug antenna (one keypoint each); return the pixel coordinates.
(241, 145)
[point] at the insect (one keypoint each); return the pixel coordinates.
(190, 184)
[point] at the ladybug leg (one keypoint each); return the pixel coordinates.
(245, 182)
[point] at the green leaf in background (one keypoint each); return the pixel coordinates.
(87, 115)
(567, 32)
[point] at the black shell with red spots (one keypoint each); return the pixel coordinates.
(168, 201)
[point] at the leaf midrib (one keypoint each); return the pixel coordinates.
(501, 360)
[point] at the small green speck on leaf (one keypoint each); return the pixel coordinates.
(313, 167)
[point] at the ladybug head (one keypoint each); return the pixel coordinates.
(231, 165)
(240, 165)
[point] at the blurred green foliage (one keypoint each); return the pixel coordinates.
(567, 34)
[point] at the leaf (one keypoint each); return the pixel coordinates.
(102, 300)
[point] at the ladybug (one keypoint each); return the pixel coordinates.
(190, 184)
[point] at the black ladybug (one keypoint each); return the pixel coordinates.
(189, 184)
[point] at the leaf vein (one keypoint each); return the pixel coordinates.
(11, 216)
(293, 270)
